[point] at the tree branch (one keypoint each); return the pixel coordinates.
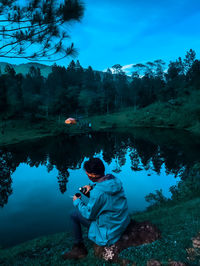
(34, 25)
(39, 23)
(8, 44)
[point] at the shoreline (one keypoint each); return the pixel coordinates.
(182, 114)
(23, 130)
(169, 219)
(176, 239)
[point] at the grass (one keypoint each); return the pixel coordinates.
(183, 114)
(178, 224)
(17, 131)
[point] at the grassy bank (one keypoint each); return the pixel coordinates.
(183, 114)
(16, 131)
(178, 225)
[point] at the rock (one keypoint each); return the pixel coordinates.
(191, 254)
(194, 252)
(153, 263)
(176, 263)
(137, 233)
(196, 241)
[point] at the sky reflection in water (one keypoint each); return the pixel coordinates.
(37, 207)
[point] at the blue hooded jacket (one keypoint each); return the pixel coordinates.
(108, 211)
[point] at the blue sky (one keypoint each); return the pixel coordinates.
(128, 32)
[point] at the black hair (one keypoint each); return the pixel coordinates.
(95, 166)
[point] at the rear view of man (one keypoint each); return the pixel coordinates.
(106, 214)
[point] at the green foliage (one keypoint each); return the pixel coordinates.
(3, 95)
(189, 59)
(186, 189)
(156, 198)
(189, 186)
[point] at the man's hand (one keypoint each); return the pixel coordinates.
(75, 197)
(88, 187)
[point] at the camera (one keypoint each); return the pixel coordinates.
(78, 195)
(83, 190)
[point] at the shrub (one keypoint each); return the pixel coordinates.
(156, 198)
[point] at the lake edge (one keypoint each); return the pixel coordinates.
(43, 253)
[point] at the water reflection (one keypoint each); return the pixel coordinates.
(37, 178)
(5, 177)
(147, 150)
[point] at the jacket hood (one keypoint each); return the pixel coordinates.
(109, 184)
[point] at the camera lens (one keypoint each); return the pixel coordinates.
(83, 190)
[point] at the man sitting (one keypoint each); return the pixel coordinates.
(106, 214)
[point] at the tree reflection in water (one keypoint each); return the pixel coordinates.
(6, 169)
(146, 151)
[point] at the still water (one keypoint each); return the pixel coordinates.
(38, 179)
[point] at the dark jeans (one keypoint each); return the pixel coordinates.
(78, 220)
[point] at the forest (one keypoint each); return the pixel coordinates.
(75, 91)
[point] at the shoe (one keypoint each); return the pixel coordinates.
(78, 251)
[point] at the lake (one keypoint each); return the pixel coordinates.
(39, 178)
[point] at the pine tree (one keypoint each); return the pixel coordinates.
(37, 25)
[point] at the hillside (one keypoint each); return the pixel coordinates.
(45, 69)
(24, 68)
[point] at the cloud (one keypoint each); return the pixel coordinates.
(126, 67)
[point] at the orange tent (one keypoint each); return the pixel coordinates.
(70, 121)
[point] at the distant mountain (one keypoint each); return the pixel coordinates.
(45, 69)
(24, 68)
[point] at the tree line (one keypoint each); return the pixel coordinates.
(75, 90)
